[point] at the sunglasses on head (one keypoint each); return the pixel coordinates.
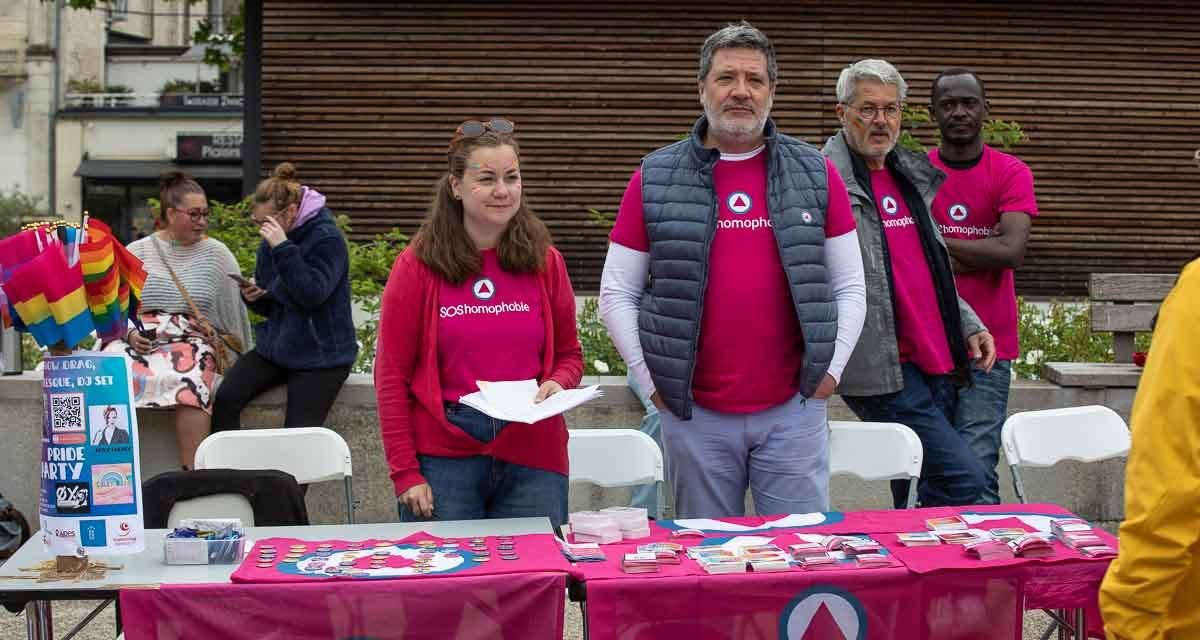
(476, 128)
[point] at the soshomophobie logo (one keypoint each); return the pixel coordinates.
(457, 310)
(824, 612)
(753, 224)
(899, 223)
(71, 497)
(961, 230)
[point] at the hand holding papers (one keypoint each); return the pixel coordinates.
(513, 400)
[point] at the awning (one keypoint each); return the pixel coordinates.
(151, 169)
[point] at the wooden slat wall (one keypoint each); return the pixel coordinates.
(365, 95)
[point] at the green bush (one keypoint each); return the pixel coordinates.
(600, 356)
(89, 85)
(180, 86)
(16, 209)
(1061, 332)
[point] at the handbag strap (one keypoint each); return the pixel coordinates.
(204, 323)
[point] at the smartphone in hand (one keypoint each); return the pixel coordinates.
(241, 280)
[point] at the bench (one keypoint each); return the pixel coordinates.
(1125, 304)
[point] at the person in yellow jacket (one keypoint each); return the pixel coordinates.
(1152, 590)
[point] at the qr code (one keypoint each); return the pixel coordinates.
(66, 412)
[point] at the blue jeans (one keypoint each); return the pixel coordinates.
(479, 487)
(951, 473)
(979, 418)
(646, 495)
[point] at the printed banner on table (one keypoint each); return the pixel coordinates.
(91, 497)
(528, 606)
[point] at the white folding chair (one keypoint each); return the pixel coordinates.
(615, 458)
(876, 451)
(1044, 438)
(217, 505)
(310, 454)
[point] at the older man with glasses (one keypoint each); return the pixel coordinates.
(919, 339)
(754, 298)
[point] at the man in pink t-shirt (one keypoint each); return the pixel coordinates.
(984, 210)
(920, 340)
(733, 290)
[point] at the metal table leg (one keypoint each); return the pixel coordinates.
(38, 622)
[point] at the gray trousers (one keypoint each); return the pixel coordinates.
(781, 454)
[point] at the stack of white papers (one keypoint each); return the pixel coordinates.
(512, 401)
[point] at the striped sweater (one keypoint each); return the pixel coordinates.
(203, 267)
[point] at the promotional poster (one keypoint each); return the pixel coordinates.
(91, 500)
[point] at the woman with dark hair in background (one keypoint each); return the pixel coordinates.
(174, 360)
(479, 294)
(302, 286)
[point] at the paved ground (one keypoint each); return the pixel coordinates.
(67, 614)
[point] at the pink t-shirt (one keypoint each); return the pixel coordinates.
(750, 347)
(967, 207)
(490, 327)
(920, 331)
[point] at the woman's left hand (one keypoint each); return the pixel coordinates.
(547, 389)
(272, 232)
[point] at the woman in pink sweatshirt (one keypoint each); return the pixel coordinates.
(479, 294)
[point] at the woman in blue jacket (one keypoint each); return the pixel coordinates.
(302, 287)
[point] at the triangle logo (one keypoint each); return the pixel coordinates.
(739, 202)
(484, 289)
(824, 612)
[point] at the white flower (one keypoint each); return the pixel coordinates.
(600, 366)
(1034, 356)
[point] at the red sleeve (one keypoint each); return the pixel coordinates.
(630, 228)
(839, 217)
(567, 368)
(1016, 188)
(396, 353)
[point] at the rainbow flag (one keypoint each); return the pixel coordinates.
(49, 297)
(15, 251)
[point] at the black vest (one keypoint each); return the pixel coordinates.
(680, 207)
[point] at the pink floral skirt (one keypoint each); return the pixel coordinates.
(181, 370)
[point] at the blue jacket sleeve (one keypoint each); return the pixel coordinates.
(309, 280)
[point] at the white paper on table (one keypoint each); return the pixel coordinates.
(785, 522)
(736, 544)
(512, 401)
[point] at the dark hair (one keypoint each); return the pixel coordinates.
(281, 189)
(442, 242)
(112, 410)
(956, 71)
(173, 185)
(739, 35)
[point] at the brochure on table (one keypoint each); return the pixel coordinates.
(513, 401)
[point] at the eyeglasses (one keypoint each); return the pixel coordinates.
(869, 111)
(197, 214)
(476, 128)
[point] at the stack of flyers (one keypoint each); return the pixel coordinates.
(765, 564)
(859, 546)
(993, 549)
(1059, 526)
(761, 551)
(691, 533)
(918, 539)
(833, 543)
(871, 561)
(664, 552)
(592, 526)
(1081, 539)
(802, 550)
(1007, 533)
(700, 553)
(823, 561)
(1102, 551)
(956, 537)
(1031, 545)
(639, 563)
(948, 523)
(718, 564)
(632, 521)
(582, 552)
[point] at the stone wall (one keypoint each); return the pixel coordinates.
(1092, 491)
